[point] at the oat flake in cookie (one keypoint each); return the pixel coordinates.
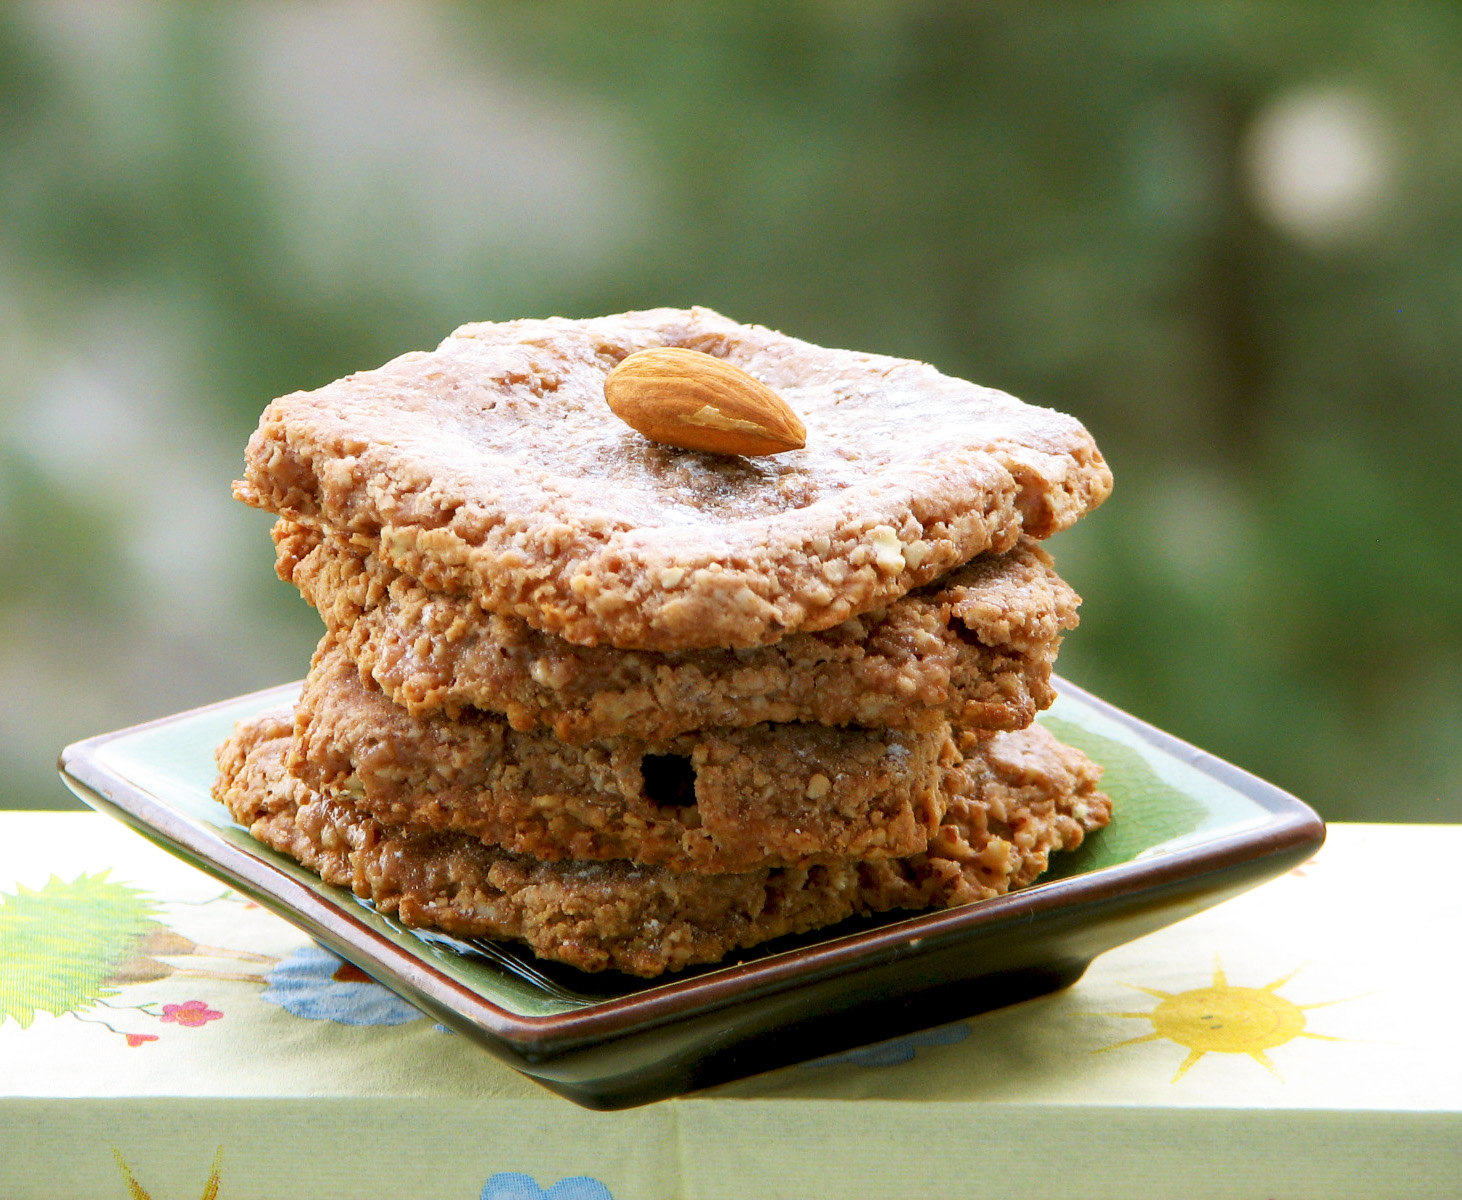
(492, 467)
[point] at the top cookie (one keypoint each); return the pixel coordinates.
(492, 467)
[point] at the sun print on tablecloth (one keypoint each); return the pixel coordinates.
(1223, 1019)
(135, 1191)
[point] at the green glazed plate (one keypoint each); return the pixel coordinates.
(1188, 831)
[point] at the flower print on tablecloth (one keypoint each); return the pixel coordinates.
(897, 1050)
(514, 1185)
(191, 1013)
(320, 986)
(70, 949)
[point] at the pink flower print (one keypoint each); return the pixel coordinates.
(1305, 867)
(192, 1013)
(136, 1039)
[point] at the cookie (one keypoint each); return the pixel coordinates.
(1026, 796)
(974, 648)
(492, 467)
(719, 800)
(1012, 800)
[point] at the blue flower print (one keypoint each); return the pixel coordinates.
(898, 1050)
(315, 984)
(514, 1185)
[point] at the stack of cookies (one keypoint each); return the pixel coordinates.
(640, 706)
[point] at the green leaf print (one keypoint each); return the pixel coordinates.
(60, 945)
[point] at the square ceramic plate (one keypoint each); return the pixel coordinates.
(1188, 831)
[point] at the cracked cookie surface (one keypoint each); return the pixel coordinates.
(492, 467)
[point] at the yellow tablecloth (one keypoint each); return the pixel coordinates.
(1301, 1041)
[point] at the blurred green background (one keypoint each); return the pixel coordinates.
(1227, 236)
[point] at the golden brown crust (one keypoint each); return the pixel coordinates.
(492, 467)
(1012, 801)
(717, 800)
(974, 648)
(1025, 796)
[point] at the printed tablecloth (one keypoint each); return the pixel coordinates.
(162, 1038)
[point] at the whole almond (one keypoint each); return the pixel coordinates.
(699, 402)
